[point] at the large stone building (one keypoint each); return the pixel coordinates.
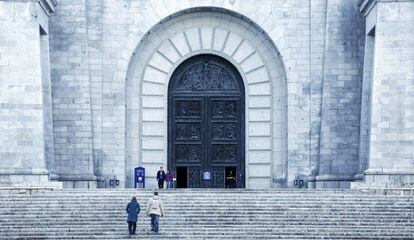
(272, 90)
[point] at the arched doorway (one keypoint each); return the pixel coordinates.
(206, 124)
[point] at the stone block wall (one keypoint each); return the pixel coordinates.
(335, 110)
(25, 135)
(341, 95)
(320, 44)
(70, 73)
(391, 155)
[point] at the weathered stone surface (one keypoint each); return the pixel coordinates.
(26, 139)
(243, 214)
(308, 84)
(391, 142)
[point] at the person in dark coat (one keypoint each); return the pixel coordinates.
(230, 180)
(132, 209)
(161, 178)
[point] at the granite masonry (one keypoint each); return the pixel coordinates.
(329, 88)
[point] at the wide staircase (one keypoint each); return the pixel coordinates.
(208, 214)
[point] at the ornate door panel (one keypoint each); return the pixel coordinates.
(217, 177)
(206, 120)
(194, 177)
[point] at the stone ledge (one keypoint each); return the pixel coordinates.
(51, 187)
(23, 171)
(77, 177)
(333, 177)
(388, 191)
(48, 5)
(386, 180)
(366, 5)
(33, 186)
(384, 171)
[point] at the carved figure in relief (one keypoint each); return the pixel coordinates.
(218, 155)
(188, 153)
(194, 108)
(227, 83)
(218, 131)
(218, 109)
(180, 131)
(230, 109)
(182, 109)
(194, 153)
(230, 131)
(194, 132)
(225, 153)
(181, 152)
(194, 174)
(206, 76)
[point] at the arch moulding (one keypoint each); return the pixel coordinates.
(228, 35)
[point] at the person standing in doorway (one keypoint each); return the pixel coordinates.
(155, 209)
(230, 180)
(169, 179)
(132, 209)
(161, 178)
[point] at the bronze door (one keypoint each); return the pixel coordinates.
(206, 121)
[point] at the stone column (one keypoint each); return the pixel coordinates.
(22, 115)
(341, 93)
(391, 143)
(71, 76)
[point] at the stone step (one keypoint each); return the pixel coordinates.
(207, 204)
(218, 214)
(208, 214)
(400, 226)
(286, 221)
(285, 234)
(199, 232)
(224, 229)
(216, 202)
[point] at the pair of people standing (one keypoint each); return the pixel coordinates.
(155, 210)
(162, 176)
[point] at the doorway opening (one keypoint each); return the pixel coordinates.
(182, 177)
(231, 177)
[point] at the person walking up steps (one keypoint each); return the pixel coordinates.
(132, 209)
(155, 210)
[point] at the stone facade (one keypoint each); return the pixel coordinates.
(314, 71)
(25, 112)
(389, 74)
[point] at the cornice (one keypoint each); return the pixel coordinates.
(48, 5)
(366, 5)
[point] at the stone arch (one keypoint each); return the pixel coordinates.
(233, 37)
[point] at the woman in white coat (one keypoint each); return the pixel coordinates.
(155, 209)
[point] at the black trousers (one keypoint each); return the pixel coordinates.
(132, 227)
(160, 184)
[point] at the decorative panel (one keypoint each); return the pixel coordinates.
(224, 153)
(224, 109)
(187, 131)
(206, 76)
(224, 131)
(194, 177)
(188, 108)
(188, 153)
(218, 177)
